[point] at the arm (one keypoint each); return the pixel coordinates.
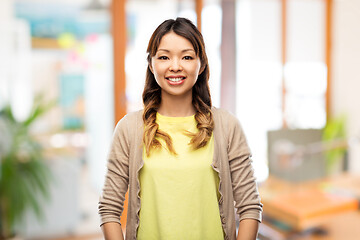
(246, 196)
(116, 184)
(112, 231)
(248, 229)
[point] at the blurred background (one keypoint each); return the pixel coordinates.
(69, 70)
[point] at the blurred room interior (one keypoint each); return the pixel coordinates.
(288, 69)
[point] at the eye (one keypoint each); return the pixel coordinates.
(163, 58)
(188, 58)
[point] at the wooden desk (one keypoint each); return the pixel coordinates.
(298, 207)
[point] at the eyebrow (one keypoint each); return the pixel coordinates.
(185, 50)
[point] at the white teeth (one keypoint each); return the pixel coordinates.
(175, 79)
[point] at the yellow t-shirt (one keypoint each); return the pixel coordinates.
(179, 193)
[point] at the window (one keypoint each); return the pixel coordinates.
(279, 81)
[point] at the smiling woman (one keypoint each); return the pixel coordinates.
(184, 161)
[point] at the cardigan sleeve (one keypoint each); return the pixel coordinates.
(117, 177)
(245, 192)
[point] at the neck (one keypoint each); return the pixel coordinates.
(176, 106)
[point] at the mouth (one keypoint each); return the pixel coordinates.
(175, 80)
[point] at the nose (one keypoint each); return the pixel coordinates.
(175, 66)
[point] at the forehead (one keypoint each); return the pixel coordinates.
(172, 42)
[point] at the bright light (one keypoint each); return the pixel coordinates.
(58, 140)
(78, 140)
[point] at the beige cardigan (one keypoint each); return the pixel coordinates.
(231, 161)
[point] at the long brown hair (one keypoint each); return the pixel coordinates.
(201, 98)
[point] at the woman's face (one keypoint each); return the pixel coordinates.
(175, 66)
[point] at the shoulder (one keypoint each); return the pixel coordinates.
(224, 117)
(226, 124)
(129, 121)
(131, 117)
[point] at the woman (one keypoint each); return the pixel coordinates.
(184, 161)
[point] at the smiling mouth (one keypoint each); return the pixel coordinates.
(175, 80)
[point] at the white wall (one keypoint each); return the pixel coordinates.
(6, 38)
(346, 70)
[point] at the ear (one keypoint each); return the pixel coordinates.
(202, 68)
(150, 66)
(149, 60)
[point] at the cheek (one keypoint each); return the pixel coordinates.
(158, 68)
(158, 76)
(154, 70)
(196, 69)
(158, 73)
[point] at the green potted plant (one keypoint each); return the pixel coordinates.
(24, 175)
(335, 130)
